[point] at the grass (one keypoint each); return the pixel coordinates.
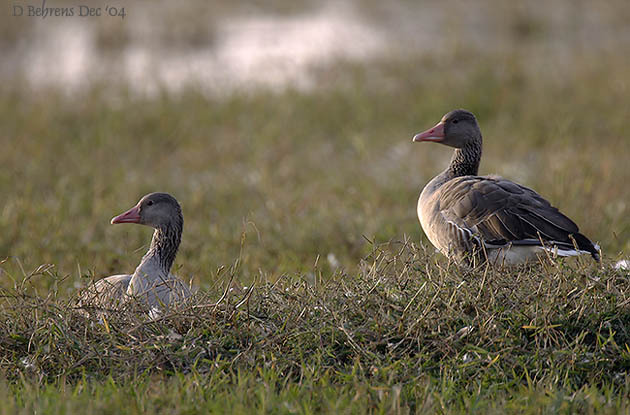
(406, 333)
(301, 174)
(318, 291)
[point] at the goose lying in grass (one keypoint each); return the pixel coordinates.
(470, 218)
(151, 283)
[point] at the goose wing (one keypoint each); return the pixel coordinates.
(106, 292)
(499, 211)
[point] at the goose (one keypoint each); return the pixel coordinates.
(152, 284)
(471, 218)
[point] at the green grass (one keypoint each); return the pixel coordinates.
(264, 393)
(271, 183)
(299, 175)
(405, 333)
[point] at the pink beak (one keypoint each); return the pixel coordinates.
(130, 216)
(435, 134)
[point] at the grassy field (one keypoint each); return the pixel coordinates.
(318, 291)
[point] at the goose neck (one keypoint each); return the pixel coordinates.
(164, 246)
(465, 160)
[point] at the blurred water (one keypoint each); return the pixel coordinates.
(261, 50)
(162, 45)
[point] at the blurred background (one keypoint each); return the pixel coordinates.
(222, 46)
(284, 127)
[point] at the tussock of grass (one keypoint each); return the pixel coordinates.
(403, 319)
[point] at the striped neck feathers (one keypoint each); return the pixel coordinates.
(465, 160)
(164, 245)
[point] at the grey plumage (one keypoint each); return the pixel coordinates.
(167, 235)
(470, 217)
(106, 293)
(151, 284)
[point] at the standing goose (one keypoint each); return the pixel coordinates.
(470, 218)
(151, 283)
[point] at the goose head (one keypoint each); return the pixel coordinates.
(157, 210)
(456, 129)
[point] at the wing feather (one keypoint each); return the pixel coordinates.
(498, 210)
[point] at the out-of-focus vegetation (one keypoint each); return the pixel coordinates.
(295, 176)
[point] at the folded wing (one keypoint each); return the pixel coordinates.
(500, 212)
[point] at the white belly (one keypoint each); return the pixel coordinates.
(520, 254)
(512, 255)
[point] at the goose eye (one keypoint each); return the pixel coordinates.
(150, 202)
(455, 121)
